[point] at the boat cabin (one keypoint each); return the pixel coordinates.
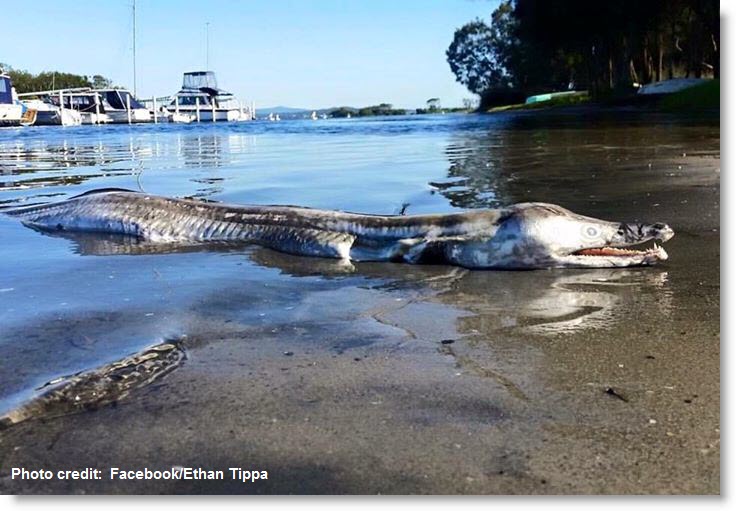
(90, 102)
(6, 90)
(202, 86)
(118, 99)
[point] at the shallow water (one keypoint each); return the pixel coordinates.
(73, 303)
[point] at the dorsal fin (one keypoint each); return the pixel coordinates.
(103, 190)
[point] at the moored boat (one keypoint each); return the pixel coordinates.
(11, 110)
(200, 99)
(90, 105)
(122, 107)
(48, 114)
(67, 107)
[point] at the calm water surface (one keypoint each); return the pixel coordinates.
(72, 304)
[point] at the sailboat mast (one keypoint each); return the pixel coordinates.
(135, 80)
(207, 45)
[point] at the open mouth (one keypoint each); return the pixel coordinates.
(656, 251)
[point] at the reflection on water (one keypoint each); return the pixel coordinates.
(451, 162)
(554, 302)
(203, 150)
(574, 166)
(558, 302)
(591, 300)
(42, 168)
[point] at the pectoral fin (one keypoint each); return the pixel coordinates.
(309, 242)
(384, 251)
(432, 250)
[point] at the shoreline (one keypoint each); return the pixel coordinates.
(702, 100)
(606, 109)
(438, 394)
(393, 378)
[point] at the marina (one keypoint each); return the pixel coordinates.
(199, 100)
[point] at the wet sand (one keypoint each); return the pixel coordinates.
(395, 379)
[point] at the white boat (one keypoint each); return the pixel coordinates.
(200, 98)
(122, 107)
(670, 86)
(11, 110)
(181, 117)
(90, 105)
(86, 106)
(48, 114)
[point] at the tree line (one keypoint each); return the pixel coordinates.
(24, 81)
(532, 46)
(366, 111)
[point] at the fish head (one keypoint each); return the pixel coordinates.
(547, 235)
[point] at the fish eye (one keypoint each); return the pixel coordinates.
(591, 231)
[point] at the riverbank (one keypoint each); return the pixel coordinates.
(576, 99)
(701, 99)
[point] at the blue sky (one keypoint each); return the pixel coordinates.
(311, 54)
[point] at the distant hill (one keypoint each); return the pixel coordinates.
(291, 110)
(287, 112)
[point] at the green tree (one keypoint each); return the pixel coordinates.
(531, 46)
(23, 81)
(100, 82)
(471, 59)
(470, 103)
(56, 80)
(433, 105)
(610, 45)
(481, 56)
(382, 109)
(342, 111)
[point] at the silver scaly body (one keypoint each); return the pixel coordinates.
(515, 237)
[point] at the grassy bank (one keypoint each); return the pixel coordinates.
(701, 98)
(578, 98)
(706, 96)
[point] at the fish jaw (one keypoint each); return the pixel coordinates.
(612, 257)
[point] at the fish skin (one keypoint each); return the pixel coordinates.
(291, 229)
(531, 235)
